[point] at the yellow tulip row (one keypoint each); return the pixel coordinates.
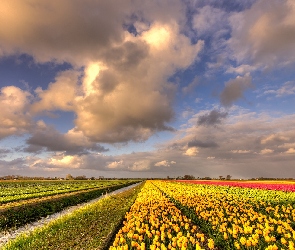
(155, 223)
(241, 222)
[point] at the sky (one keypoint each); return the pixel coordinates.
(137, 88)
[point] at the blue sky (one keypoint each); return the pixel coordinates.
(147, 88)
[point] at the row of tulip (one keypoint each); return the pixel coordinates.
(155, 223)
(25, 190)
(283, 186)
(235, 221)
(260, 195)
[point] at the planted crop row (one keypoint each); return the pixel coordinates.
(257, 195)
(24, 213)
(283, 186)
(235, 221)
(28, 190)
(154, 222)
(90, 227)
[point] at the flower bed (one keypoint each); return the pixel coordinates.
(233, 219)
(261, 185)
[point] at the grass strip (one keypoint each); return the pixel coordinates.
(14, 217)
(89, 227)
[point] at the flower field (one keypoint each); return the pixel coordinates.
(154, 222)
(173, 215)
(282, 186)
(233, 218)
(180, 215)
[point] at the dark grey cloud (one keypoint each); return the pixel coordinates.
(32, 149)
(18, 162)
(234, 89)
(202, 144)
(213, 118)
(4, 152)
(64, 28)
(51, 140)
(126, 56)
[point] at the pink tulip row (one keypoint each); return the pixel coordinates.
(261, 185)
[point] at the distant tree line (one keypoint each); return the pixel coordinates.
(68, 177)
(83, 177)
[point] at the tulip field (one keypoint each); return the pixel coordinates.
(177, 215)
(181, 215)
(274, 185)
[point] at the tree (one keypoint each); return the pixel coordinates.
(188, 177)
(69, 177)
(228, 177)
(81, 177)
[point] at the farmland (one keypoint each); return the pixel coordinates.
(273, 185)
(177, 215)
(23, 190)
(89, 227)
(171, 215)
(26, 201)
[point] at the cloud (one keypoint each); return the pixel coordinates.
(239, 144)
(60, 95)
(64, 35)
(142, 165)
(288, 88)
(198, 100)
(117, 88)
(290, 151)
(239, 151)
(193, 151)
(266, 151)
(211, 119)
(190, 87)
(65, 161)
(60, 160)
(73, 142)
(210, 20)
(241, 69)
(135, 109)
(234, 89)
(287, 145)
(115, 164)
(264, 33)
(164, 163)
(14, 116)
(274, 138)
(202, 144)
(4, 152)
